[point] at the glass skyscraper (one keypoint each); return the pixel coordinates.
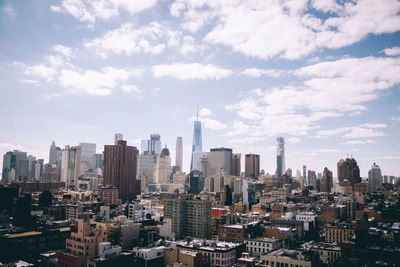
(197, 143)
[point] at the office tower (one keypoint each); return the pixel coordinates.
(31, 166)
(146, 167)
(96, 162)
(280, 158)
(179, 153)
(9, 163)
(71, 166)
(190, 216)
(87, 151)
(326, 181)
(53, 153)
(196, 182)
(145, 147)
(219, 160)
(155, 144)
(117, 137)
(374, 178)
(305, 174)
(119, 169)
(197, 160)
(226, 196)
(348, 170)
(39, 169)
(21, 165)
(312, 179)
(252, 165)
(236, 167)
(319, 175)
(197, 145)
(163, 168)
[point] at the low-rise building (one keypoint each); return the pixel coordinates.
(260, 246)
(286, 257)
(327, 253)
(338, 232)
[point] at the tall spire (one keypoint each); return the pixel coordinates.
(197, 114)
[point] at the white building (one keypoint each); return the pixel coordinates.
(71, 166)
(106, 250)
(261, 246)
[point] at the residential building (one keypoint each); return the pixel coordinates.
(179, 153)
(280, 158)
(82, 244)
(190, 216)
(120, 169)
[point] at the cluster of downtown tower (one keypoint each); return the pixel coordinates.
(131, 207)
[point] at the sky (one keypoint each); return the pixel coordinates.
(323, 74)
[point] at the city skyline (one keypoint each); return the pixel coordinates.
(331, 90)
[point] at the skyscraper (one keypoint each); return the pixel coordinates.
(305, 174)
(53, 153)
(117, 137)
(190, 216)
(196, 182)
(219, 160)
(312, 179)
(179, 152)
(155, 144)
(120, 169)
(280, 158)
(236, 165)
(374, 178)
(348, 170)
(9, 163)
(197, 145)
(71, 166)
(252, 165)
(326, 181)
(163, 168)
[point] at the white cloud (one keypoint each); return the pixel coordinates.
(358, 142)
(325, 90)
(256, 73)
(40, 71)
(394, 51)
(190, 71)
(89, 11)
(287, 28)
(209, 123)
(205, 112)
(155, 91)
(94, 82)
(294, 140)
(395, 119)
(362, 131)
(190, 46)
(30, 82)
(130, 88)
(128, 39)
(64, 50)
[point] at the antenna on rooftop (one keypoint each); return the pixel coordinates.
(197, 116)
